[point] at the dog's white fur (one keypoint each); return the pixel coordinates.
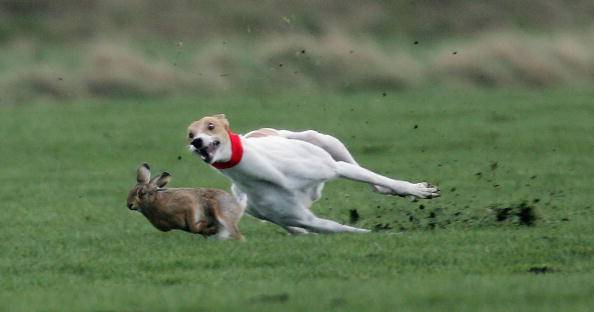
(283, 172)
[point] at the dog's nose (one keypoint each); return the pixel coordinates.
(197, 143)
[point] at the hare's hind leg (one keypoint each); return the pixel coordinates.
(227, 222)
(229, 212)
(234, 232)
(228, 230)
(197, 226)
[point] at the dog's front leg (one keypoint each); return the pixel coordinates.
(389, 186)
(293, 230)
(308, 221)
(319, 225)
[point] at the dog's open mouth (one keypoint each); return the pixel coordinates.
(206, 152)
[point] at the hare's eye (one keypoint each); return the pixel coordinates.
(210, 126)
(190, 135)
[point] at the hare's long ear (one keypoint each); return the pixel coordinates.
(143, 174)
(161, 180)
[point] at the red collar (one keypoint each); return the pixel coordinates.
(236, 152)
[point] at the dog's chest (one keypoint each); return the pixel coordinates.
(279, 174)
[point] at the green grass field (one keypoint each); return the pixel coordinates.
(69, 243)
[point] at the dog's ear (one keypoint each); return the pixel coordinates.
(223, 120)
(162, 179)
(143, 174)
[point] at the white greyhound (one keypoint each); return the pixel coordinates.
(278, 174)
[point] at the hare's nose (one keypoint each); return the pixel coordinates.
(197, 143)
(129, 206)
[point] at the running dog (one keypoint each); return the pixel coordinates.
(278, 174)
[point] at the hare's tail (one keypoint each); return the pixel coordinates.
(240, 197)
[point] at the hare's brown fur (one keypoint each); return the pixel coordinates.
(202, 211)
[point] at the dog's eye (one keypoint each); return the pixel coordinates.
(190, 135)
(210, 126)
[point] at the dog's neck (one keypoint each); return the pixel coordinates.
(236, 152)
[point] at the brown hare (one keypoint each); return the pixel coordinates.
(205, 211)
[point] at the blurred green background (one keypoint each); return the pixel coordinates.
(69, 49)
(490, 100)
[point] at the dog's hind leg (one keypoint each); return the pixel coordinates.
(332, 146)
(395, 187)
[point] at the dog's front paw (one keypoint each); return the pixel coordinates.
(423, 190)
